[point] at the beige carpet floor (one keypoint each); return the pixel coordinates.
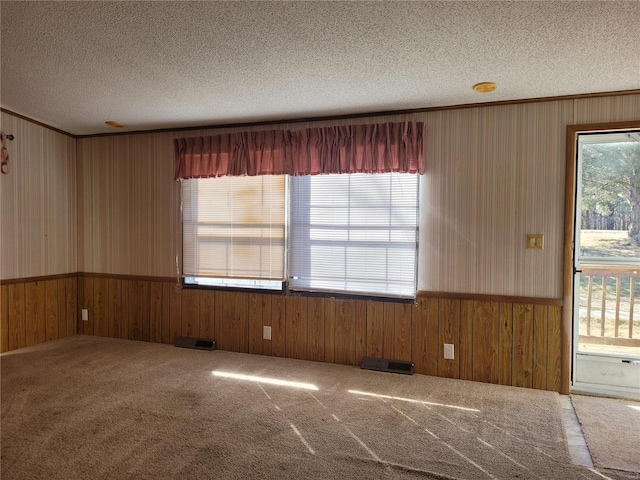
(612, 431)
(96, 408)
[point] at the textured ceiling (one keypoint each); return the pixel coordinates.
(74, 65)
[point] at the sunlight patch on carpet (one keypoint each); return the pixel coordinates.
(600, 474)
(302, 439)
(267, 380)
(411, 400)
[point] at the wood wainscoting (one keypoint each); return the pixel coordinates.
(503, 340)
(37, 310)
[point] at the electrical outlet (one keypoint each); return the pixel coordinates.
(448, 351)
(85, 315)
(266, 333)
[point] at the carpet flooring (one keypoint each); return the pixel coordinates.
(95, 408)
(612, 430)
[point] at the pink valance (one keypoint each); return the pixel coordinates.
(374, 148)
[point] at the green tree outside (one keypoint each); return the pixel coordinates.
(611, 188)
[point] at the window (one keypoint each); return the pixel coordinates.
(347, 233)
(354, 233)
(233, 231)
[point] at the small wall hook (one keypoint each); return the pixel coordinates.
(4, 153)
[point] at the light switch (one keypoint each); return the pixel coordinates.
(535, 241)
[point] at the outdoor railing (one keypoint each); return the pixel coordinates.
(609, 306)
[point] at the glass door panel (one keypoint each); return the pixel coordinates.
(608, 244)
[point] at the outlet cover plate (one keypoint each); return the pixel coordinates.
(85, 315)
(266, 333)
(448, 351)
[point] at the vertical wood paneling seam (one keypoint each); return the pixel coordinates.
(93, 316)
(333, 334)
(472, 339)
(149, 299)
(64, 307)
(54, 284)
(366, 329)
(546, 363)
(513, 348)
(105, 306)
(24, 314)
(92, 311)
(498, 351)
(538, 351)
(109, 308)
(533, 345)
(440, 342)
(460, 333)
(170, 322)
(4, 313)
(393, 336)
(12, 319)
(410, 334)
(77, 311)
(309, 333)
(355, 336)
(90, 325)
(62, 315)
(247, 322)
(244, 328)
(326, 334)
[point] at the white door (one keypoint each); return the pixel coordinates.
(606, 326)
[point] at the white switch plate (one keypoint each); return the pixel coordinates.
(266, 333)
(448, 351)
(85, 315)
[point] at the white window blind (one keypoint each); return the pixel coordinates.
(354, 233)
(234, 228)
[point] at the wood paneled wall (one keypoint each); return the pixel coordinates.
(607, 109)
(496, 341)
(37, 312)
(129, 205)
(494, 174)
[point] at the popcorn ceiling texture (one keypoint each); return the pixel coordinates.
(74, 65)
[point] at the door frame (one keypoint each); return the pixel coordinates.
(569, 234)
